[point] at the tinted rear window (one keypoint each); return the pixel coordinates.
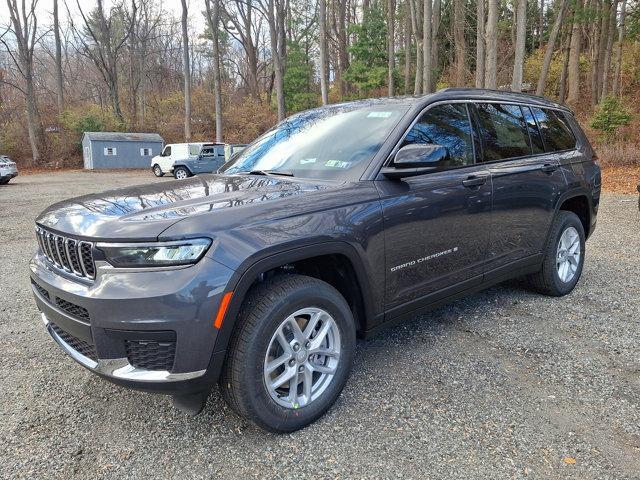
(555, 130)
(536, 140)
(503, 131)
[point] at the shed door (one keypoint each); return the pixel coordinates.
(87, 156)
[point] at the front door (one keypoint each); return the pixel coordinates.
(437, 224)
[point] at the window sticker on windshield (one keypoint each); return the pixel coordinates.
(304, 161)
(379, 114)
(337, 164)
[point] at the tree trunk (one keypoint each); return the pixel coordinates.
(59, 77)
(186, 69)
(491, 63)
(595, 44)
(616, 76)
(562, 93)
(548, 54)
(541, 25)
(435, 28)
(606, 66)
(324, 70)
(391, 7)
(416, 12)
(213, 17)
(480, 55)
(407, 49)
(343, 46)
(276, 20)
(521, 32)
(573, 71)
(426, 53)
(459, 42)
(602, 46)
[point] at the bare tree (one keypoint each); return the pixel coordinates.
(491, 39)
(480, 42)
(58, 58)
(521, 32)
(213, 18)
(459, 42)
(24, 26)
(407, 47)
(186, 70)
(391, 7)
(548, 54)
(324, 61)
(611, 30)
(616, 75)
(102, 39)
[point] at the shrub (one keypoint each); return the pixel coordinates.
(609, 117)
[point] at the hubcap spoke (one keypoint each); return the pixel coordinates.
(284, 377)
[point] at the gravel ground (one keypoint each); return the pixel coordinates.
(503, 384)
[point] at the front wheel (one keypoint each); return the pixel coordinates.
(291, 353)
(563, 257)
(181, 173)
(157, 171)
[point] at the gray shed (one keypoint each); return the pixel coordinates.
(120, 150)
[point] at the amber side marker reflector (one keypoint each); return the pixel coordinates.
(223, 309)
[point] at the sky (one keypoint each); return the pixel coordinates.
(44, 9)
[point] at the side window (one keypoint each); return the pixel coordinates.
(503, 131)
(448, 126)
(145, 152)
(220, 151)
(536, 140)
(166, 152)
(555, 130)
(110, 151)
(194, 149)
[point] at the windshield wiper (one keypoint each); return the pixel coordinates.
(268, 172)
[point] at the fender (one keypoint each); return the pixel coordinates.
(181, 164)
(245, 276)
(579, 192)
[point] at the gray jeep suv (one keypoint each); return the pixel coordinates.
(338, 222)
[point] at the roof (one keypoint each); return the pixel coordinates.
(123, 137)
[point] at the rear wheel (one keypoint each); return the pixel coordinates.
(563, 257)
(291, 353)
(157, 171)
(4, 181)
(181, 173)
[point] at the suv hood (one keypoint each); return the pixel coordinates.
(143, 212)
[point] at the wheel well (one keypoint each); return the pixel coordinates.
(580, 206)
(335, 269)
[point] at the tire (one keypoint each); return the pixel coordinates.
(267, 307)
(552, 279)
(4, 181)
(181, 173)
(157, 171)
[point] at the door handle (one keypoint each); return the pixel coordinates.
(475, 180)
(549, 167)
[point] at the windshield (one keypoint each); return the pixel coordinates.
(334, 143)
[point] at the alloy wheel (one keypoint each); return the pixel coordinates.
(568, 254)
(302, 357)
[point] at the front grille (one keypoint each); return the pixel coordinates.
(73, 256)
(73, 309)
(151, 355)
(41, 290)
(77, 344)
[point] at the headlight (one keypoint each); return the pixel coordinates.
(161, 254)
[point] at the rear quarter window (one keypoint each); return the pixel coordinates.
(554, 129)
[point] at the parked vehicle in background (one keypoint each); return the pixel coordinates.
(8, 169)
(339, 221)
(175, 152)
(230, 149)
(209, 160)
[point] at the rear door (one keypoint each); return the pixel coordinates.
(527, 182)
(437, 224)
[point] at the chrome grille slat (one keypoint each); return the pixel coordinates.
(73, 256)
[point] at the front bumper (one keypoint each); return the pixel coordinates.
(8, 173)
(149, 330)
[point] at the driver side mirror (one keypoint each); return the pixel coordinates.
(416, 159)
